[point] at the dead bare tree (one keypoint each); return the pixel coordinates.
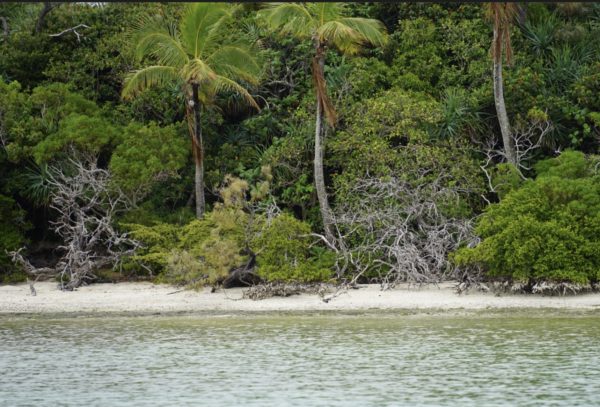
(86, 203)
(526, 138)
(398, 230)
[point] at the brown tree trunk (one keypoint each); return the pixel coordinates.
(48, 6)
(319, 175)
(507, 139)
(198, 154)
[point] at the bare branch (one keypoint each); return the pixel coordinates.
(73, 30)
(48, 7)
(526, 139)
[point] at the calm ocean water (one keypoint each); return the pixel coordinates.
(372, 359)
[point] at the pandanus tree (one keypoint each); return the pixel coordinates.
(202, 55)
(502, 16)
(327, 25)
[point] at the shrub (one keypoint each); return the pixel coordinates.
(284, 253)
(204, 251)
(546, 231)
(201, 252)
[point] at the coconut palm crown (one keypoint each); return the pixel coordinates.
(200, 55)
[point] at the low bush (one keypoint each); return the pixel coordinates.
(546, 231)
(285, 253)
(203, 252)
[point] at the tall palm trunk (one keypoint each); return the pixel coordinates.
(326, 214)
(198, 154)
(507, 139)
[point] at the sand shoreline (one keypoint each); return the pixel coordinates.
(148, 298)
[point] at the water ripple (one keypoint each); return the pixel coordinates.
(299, 361)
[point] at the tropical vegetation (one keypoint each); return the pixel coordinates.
(231, 144)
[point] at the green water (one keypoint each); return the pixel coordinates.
(301, 360)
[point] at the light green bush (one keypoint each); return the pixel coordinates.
(204, 251)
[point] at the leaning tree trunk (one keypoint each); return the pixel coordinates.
(198, 153)
(318, 162)
(507, 139)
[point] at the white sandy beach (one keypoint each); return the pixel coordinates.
(151, 298)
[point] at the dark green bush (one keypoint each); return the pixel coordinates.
(546, 231)
(12, 226)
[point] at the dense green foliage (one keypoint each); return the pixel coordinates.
(419, 107)
(284, 253)
(12, 224)
(547, 230)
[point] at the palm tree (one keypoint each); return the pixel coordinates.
(327, 26)
(502, 15)
(200, 57)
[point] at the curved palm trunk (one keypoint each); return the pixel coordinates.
(198, 154)
(319, 175)
(507, 139)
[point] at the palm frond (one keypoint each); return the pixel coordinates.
(200, 26)
(326, 11)
(340, 35)
(165, 49)
(236, 62)
(289, 19)
(196, 54)
(198, 71)
(502, 15)
(223, 84)
(38, 189)
(144, 78)
(321, 90)
(372, 31)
